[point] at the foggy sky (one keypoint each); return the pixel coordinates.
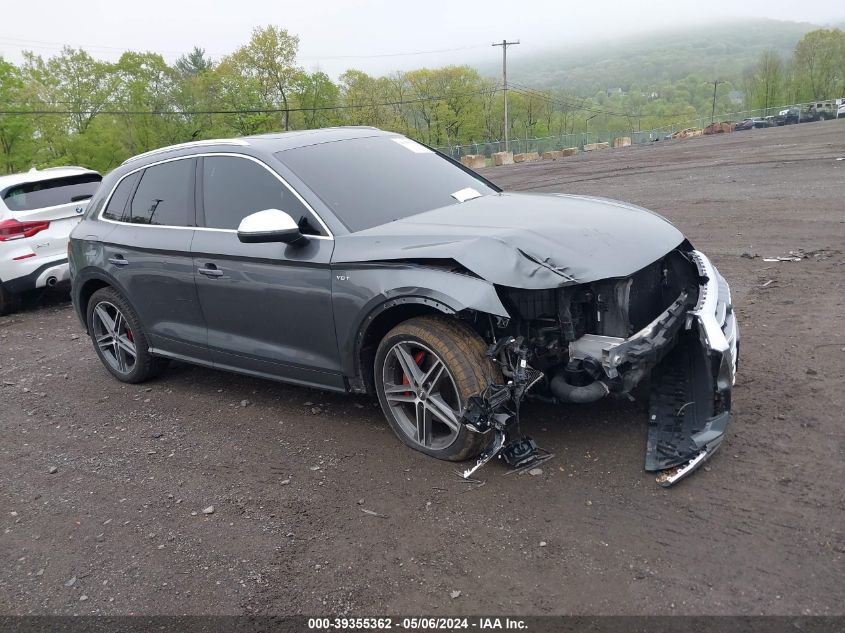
(366, 34)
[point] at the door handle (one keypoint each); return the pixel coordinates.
(210, 270)
(119, 260)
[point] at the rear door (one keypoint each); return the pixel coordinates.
(149, 254)
(268, 307)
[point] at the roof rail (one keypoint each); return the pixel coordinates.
(203, 143)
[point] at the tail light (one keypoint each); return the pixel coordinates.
(15, 230)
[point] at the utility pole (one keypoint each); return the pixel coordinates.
(504, 44)
(586, 121)
(713, 109)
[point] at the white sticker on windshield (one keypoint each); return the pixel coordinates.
(466, 194)
(412, 145)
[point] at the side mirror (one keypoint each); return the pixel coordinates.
(270, 225)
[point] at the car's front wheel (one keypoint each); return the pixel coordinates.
(425, 371)
(119, 338)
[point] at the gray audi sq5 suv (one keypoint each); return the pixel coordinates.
(358, 260)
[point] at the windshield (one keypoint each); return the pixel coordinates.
(371, 181)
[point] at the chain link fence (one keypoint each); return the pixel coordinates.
(557, 142)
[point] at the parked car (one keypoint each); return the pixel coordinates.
(840, 112)
(38, 209)
(819, 111)
(789, 116)
(357, 260)
(748, 124)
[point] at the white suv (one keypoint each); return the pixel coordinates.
(38, 210)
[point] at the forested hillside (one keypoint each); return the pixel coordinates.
(722, 50)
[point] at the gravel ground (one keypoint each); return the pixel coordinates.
(209, 493)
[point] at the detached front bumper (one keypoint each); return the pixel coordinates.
(690, 405)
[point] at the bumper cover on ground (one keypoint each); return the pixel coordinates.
(690, 405)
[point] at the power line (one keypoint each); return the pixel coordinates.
(246, 110)
(567, 101)
(571, 103)
(531, 92)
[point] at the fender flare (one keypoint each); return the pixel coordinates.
(84, 277)
(387, 304)
(384, 304)
(416, 296)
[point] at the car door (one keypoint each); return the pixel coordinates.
(149, 255)
(268, 307)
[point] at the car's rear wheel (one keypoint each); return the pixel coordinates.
(119, 338)
(9, 301)
(425, 370)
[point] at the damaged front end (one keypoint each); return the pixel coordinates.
(671, 322)
(690, 404)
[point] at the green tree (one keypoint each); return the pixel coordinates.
(146, 91)
(457, 88)
(194, 63)
(820, 64)
(270, 59)
(362, 97)
(16, 130)
(316, 93)
(765, 83)
(244, 93)
(74, 81)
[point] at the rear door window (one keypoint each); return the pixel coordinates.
(165, 195)
(50, 193)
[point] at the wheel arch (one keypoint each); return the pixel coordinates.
(381, 297)
(84, 289)
(379, 322)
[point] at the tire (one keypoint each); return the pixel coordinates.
(9, 301)
(116, 352)
(466, 371)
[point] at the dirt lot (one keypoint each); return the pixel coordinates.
(119, 527)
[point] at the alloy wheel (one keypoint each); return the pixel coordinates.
(113, 336)
(422, 395)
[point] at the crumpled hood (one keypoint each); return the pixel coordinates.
(523, 240)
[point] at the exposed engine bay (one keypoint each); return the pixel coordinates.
(670, 322)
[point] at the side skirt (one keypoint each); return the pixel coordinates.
(335, 382)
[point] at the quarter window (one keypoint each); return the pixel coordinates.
(234, 188)
(164, 195)
(117, 203)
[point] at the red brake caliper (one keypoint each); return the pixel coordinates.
(418, 359)
(129, 335)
